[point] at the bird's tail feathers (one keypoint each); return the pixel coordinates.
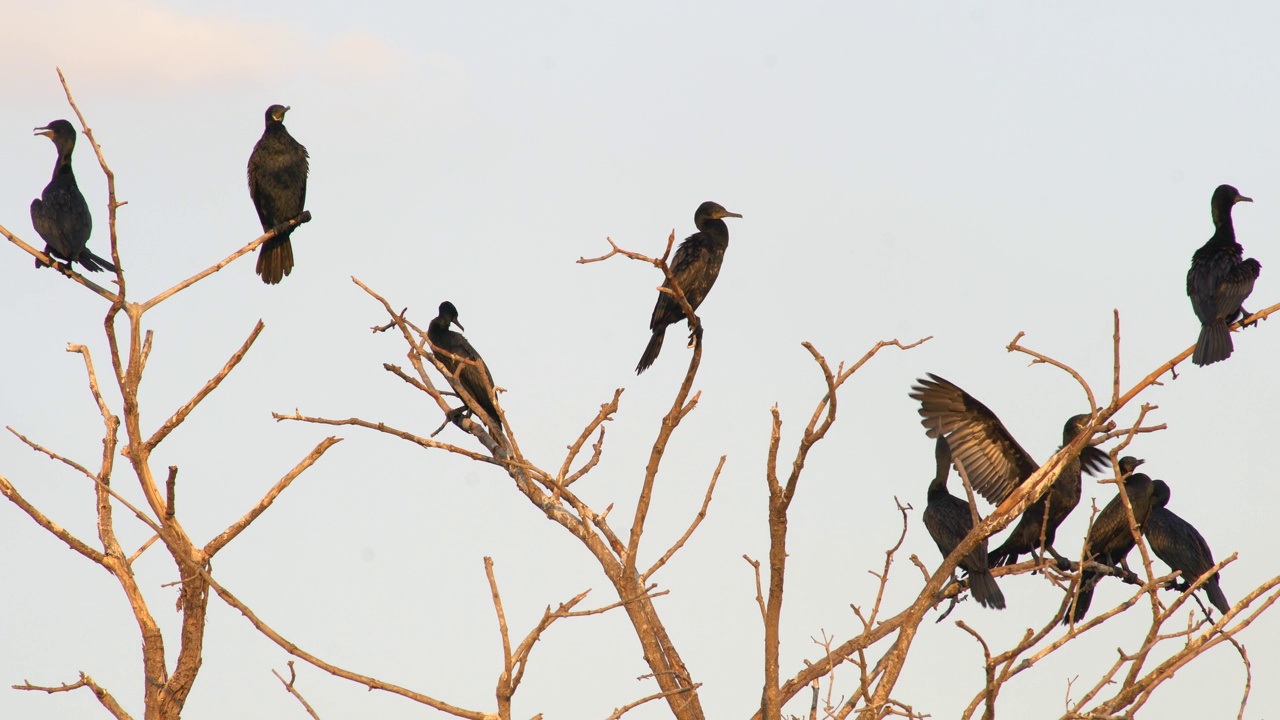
(985, 590)
(1085, 597)
(1213, 345)
(275, 259)
(93, 263)
(1002, 556)
(651, 350)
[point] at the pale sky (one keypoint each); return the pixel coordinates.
(961, 170)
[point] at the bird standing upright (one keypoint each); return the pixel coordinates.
(463, 361)
(997, 465)
(694, 268)
(278, 187)
(949, 520)
(1110, 538)
(60, 214)
(1219, 280)
(1181, 546)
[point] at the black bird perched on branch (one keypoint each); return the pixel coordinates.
(1219, 280)
(694, 268)
(949, 520)
(464, 362)
(278, 187)
(996, 464)
(1181, 546)
(1110, 538)
(60, 214)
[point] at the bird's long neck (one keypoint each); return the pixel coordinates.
(1226, 231)
(63, 165)
(938, 487)
(716, 230)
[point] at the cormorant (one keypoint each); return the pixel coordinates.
(694, 268)
(60, 214)
(1219, 280)
(1110, 539)
(1181, 546)
(278, 187)
(463, 361)
(948, 520)
(996, 464)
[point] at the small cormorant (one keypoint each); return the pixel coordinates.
(1219, 281)
(695, 267)
(948, 520)
(463, 361)
(278, 187)
(60, 214)
(996, 464)
(1110, 539)
(1181, 546)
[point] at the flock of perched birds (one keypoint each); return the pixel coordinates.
(968, 435)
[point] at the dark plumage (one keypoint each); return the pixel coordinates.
(463, 361)
(278, 187)
(1219, 280)
(61, 215)
(949, 520)
(695, 268)
(1110, 538)
(1181, 546)
(996, 464)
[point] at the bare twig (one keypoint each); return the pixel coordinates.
(290, 686)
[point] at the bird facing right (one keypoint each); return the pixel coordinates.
(1219, 280)
(463, 361)
(278, 188)
(695, 267)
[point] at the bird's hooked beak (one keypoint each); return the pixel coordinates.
(43, 131)
(1241, 198)
(279, 116)
(725, 214)
(455, 322)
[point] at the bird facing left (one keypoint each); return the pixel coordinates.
(60, 214)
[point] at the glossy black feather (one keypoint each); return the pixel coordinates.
(60, 215)
(463, 361)
(1220, 280)
(695, 267)
(1110, 537)
(949, 520)
(1181, 546)
(278, 186)
(996, 464)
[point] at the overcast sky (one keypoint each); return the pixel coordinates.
(963, 170)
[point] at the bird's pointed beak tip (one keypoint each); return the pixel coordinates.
(733, 214)
(1244, 199)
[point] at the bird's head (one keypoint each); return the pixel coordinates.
(711, 211)
(275, 113)
(449, 314)
(60, 132)
(1128, 464)
(1159, 493)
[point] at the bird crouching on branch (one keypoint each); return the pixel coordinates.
(60, 215)
(278, 187)
(1110, 538)
(1220, 280)
(694, 268)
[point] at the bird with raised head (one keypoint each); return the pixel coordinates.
(948, 520)
(1220, 280)
(464, 362)
(694, 268)
(1110, 538)
(278, 187)
(61, 215)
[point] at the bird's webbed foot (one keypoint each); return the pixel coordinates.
(1245, 314)
(1064, 564)
(695, 331)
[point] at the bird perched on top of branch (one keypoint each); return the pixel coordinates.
(1219, 280)
(949, 520)
(1181, 546)
(996, 464)
(695, 267)
(278, 187)
(1110, 538)
(60, 214)
(463, 361)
